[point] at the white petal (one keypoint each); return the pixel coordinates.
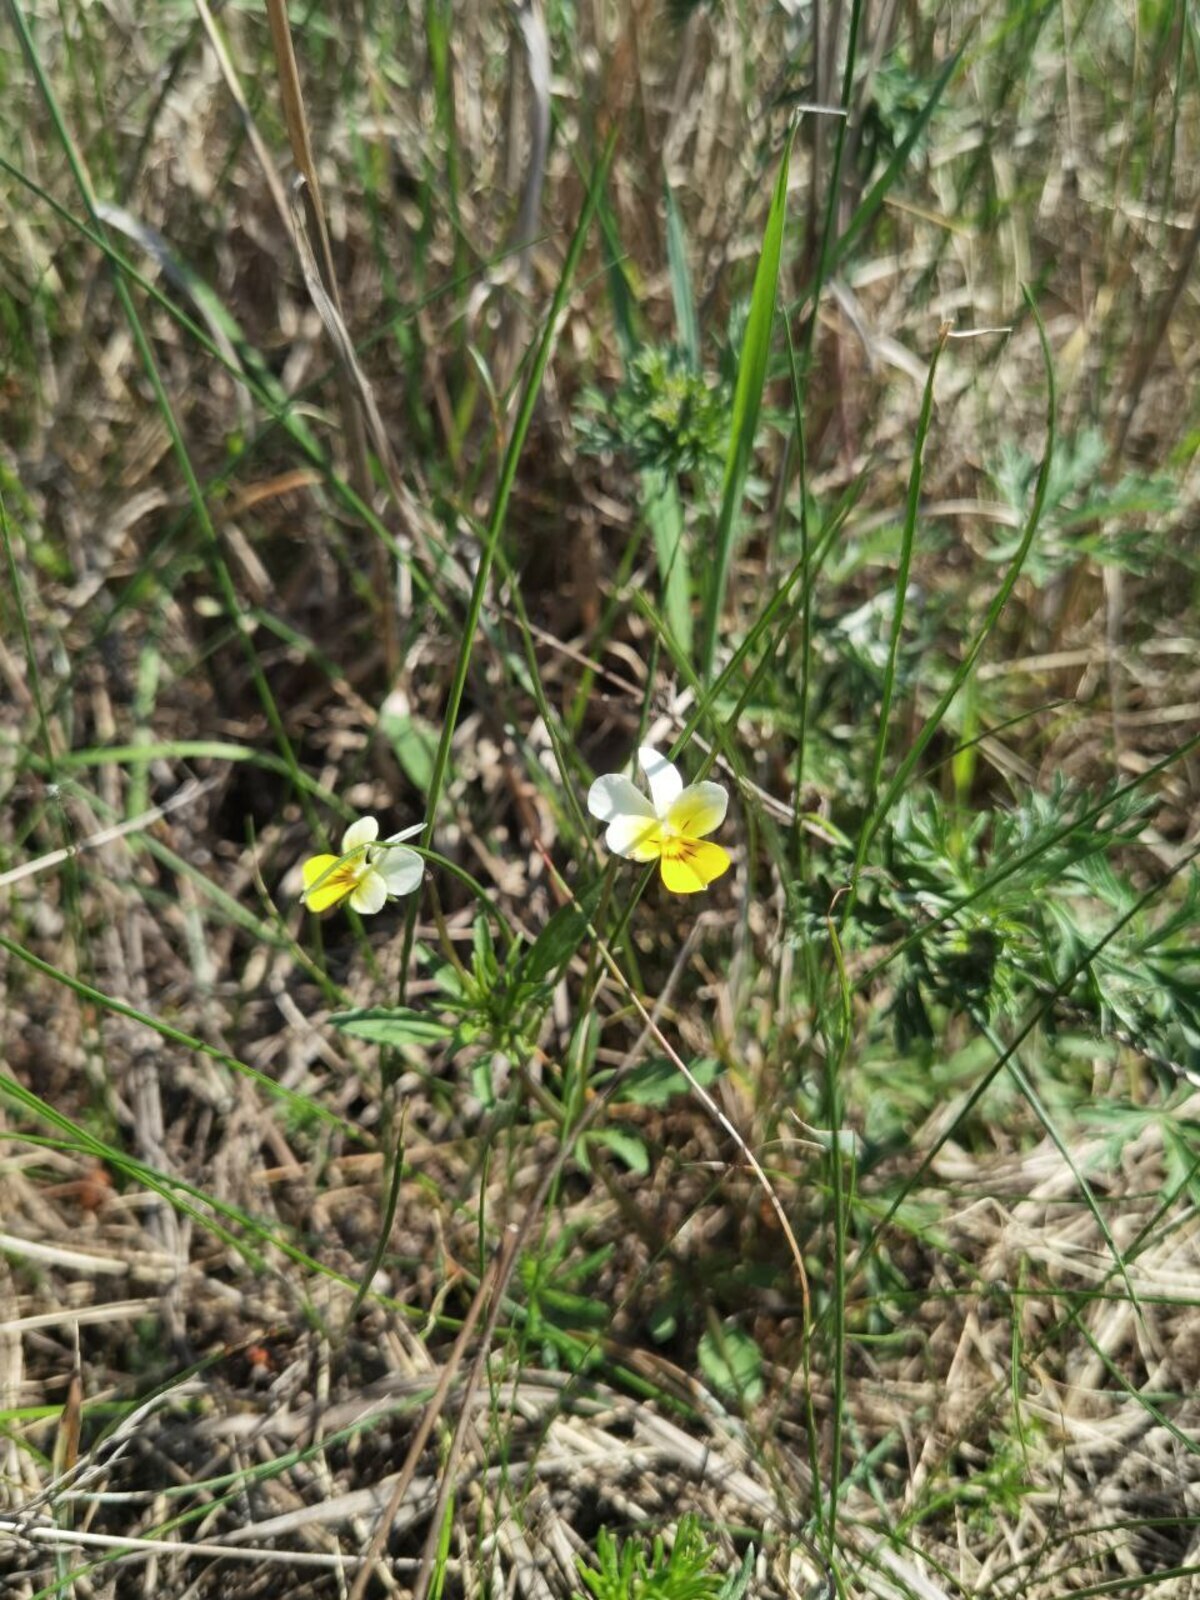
(359, 833)
(665, 783)
(377, 852)
(405, 833)
(699, 810)
(370, 895)
(400, 869)
(615, 796)
(635, 838)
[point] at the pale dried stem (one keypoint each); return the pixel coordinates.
(292, 98)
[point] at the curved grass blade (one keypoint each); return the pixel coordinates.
(299, 1104)
(508, 473)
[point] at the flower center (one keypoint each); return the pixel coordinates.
(675, 847)
(349, 874)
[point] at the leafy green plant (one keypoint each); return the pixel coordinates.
(1021, 932)
(664, 415)
(626, 1570)
(1086, 515)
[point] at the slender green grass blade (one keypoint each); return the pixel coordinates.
(965, 667)
(747, 403)
(299, 1104)
(508, 473)
(907, 539)
(1021, 1078)
(873, 200)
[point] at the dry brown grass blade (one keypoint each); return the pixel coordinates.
(702, 1095)
(258, 144)
(421, 1438)
(339, 336)
(292, 98)
(504, 1265)
(190, 791)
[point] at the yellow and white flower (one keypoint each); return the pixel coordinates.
(670, 827)
(367, 873)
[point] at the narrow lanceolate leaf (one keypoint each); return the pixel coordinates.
(560, 938)
(664, 516)
(687, 324)
(747, 403)
(872, 201)
(391, 1025)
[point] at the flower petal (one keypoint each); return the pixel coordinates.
(359, 833)
(370, 894)
(614, 796)
(635, 838)
(693, 864)
(400, 869)
(405, 833)
(699, 810)
(325, 882)
(665, 783)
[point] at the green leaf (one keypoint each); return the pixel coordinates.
(628, 1148)
(657, 1082)
(664, 515)
(686, 321)
(393, 1025)
(747, 403)
(483, 1083)
(413, 740)
(560, 938)
(732, 1362)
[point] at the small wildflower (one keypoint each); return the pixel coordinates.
(366, 872)
(670, 827)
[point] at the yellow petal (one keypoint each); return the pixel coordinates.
(635, 838)
(325, 882)
(689, 865)
(699, 810)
